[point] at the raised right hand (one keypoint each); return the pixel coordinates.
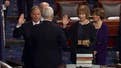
(65, 20)
(21, 19)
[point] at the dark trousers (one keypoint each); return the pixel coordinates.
(119, 57)
(21, 4)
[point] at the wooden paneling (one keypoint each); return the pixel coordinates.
(108, 2)
(68, 2)
(113, 26)
(113, 30)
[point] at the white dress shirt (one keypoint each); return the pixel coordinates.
(34, 23)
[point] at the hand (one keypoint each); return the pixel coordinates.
(117, 55)
(62, 66)
(94, 52)
(65, 20)
(86, 43)
(7, 3)
(21, 19)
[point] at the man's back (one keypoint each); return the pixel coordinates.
(47, 41)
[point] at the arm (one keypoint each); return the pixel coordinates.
(62, 40)
(18, 31)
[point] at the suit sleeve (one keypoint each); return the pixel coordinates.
(62, 40)
(18, 32)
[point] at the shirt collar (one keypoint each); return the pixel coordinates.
(34, 23)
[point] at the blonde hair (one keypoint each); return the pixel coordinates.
(34, 8)
(83, 9)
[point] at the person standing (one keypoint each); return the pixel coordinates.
(6, 3)
(101, 37)
(48, 41)
(82, 34)
(118, 46)
(24, 29)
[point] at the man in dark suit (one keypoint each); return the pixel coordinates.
(120, 41)
(48, 40)
(118, 47)
(6, 3)
(24, 29)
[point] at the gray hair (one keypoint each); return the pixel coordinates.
(43, 5)
(47, 12)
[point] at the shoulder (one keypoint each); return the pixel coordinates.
(104, 26)
(56, 28)
(74, 24)
(26, 24)
(90, 24)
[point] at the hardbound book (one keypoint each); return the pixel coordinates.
(84, 65)
(84, 58)
(83, 62)
(84, 55)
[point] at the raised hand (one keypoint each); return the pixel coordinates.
(21, 19)
(65, 20)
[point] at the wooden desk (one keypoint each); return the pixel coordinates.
(113, 27)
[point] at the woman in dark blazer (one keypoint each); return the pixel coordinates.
(101, 36)
(81, 34)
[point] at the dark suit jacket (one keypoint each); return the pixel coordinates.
(48, 40)
(118, 46)
(25, 31)
(88, 32)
